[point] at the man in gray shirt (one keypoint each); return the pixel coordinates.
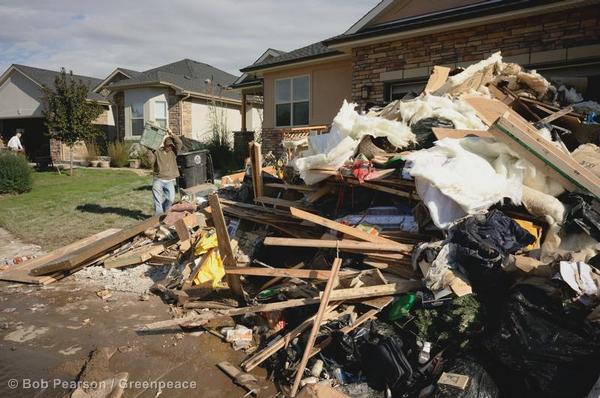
(164, 164)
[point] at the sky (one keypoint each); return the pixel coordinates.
(94, 37)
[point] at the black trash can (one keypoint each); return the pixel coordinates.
(193, 168)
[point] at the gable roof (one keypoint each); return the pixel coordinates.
(185, 75)
(362, 30)
(46, 77)
(128, 73)
(248, 79)
(312, 51)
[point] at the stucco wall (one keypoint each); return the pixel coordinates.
(203, 115)
(330, 84)
(20, 97)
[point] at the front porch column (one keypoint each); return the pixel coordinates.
(243, 129)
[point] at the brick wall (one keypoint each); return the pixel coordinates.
(547, 35)
(175, 111)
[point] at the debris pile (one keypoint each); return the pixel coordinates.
(442, 245)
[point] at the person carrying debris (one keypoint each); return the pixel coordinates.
(14, 144)
(164, 164)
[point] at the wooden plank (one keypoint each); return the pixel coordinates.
(381, 188)
(439, 75)
(137, 256)
(318, 194)
(20, 272)
(345, 244)
(275, 280)
(564, 166)
(351, 231)
(225, 249)
(278, 202)
(243, 379)
(441, 133)
(182, 230)
(303, 188)
(557, 115)
(285, 272)
(95, 249)
(256, 165)
(337, 263)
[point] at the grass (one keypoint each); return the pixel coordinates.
(61, 209)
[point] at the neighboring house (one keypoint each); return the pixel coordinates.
(391, 50)
(21, 110)
(189, 97)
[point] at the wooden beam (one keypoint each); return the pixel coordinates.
(561, 165)
(225, 249)
(279, 278)
(303, 188)
(345, 244)
(243, 111)
(95, 249)
(337, 263)
(345, 229)
(557, 115)
(256, 166)
(381, 188)
(278, 202)
(136, 256)
(285, 272)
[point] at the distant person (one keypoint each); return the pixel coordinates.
(164, 164)
(14, 144)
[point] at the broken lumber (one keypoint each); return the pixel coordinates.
(351, 231)
(137, 256)
(439, 75)
(95, 249)
(336, 295)
(256, 167)
(225, 249)
(20, 272)
(337, 263)
(345, 244)
(241, 378)
(285, 272)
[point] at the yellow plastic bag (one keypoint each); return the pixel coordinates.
(211, 268)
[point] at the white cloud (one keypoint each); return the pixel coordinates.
(92, 38)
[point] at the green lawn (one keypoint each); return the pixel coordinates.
(61, 209)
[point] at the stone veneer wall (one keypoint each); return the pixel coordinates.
(555, 37)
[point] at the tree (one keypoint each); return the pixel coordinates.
(69, 115)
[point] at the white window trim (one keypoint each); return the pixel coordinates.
(166, 111)
(275, 103)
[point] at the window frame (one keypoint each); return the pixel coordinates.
(166, 108)
(411, 85)
(291, 101)
(132, 118)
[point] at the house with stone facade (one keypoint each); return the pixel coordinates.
(188, 96)
(391, 50)
(21, 107)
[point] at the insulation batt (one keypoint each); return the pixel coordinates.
(456, 80)
(462, 176)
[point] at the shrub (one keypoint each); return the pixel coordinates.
(143, 156)
(119, 153)
(15, 173)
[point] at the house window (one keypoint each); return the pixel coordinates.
(160, 113)
(291, 101)
(398, 91)
(137, 119)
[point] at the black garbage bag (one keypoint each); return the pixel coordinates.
(423, 130)
(544, 350)
(582, 217)
(480, 384)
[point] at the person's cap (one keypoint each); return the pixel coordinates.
(169, 141)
